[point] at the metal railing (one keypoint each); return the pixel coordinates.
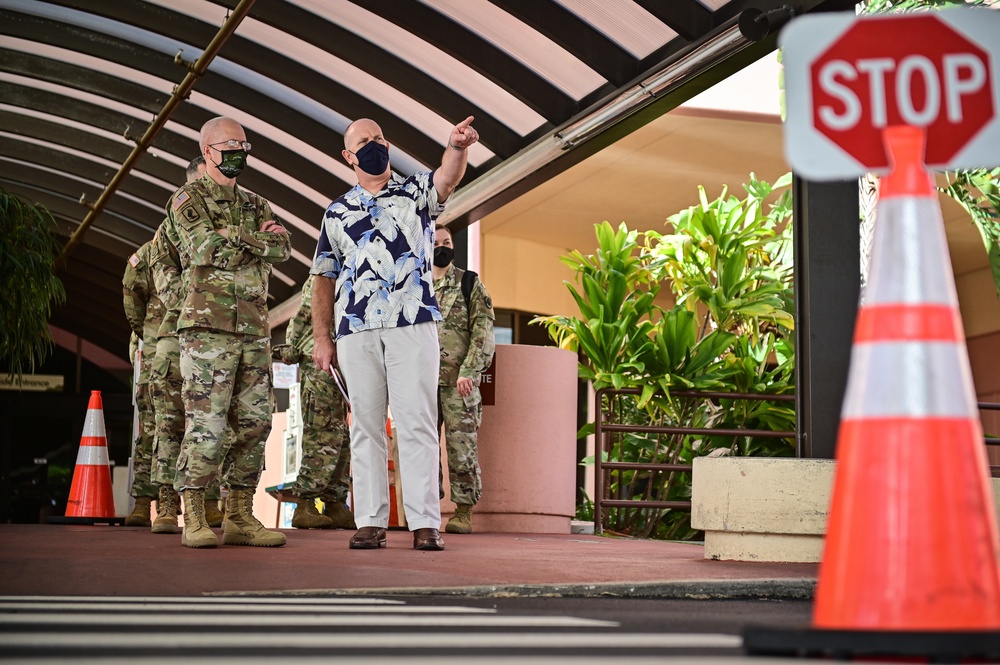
(991, 440)
(603, 428)
(990, 406)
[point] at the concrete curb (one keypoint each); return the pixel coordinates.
(768, 589)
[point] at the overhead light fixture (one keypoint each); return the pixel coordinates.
(756, 24)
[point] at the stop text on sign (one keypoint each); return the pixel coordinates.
(911, 92)
(848, 78)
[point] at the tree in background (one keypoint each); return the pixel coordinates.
(28, 251)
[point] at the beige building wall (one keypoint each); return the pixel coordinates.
(977, 297)
(980, 309)
(526, 275)
(985, 360)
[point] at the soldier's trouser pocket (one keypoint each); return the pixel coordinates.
(473, 399)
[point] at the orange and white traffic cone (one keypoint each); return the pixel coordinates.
(91, 494)
(910, 566)
(912, 538)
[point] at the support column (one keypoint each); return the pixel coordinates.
(827, 289)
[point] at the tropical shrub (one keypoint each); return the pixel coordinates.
(728, 263)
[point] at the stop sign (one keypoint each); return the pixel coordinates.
(847, 79)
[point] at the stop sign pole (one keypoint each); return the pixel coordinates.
(847, 79)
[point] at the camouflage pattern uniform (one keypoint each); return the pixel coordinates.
(166, 384)
(144, 312)
(326, 438)
(224, 332)
(466, 338)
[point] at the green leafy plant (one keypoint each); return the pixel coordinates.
(728, 263)
(28, 250)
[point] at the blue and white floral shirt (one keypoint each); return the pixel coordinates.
(379, 250)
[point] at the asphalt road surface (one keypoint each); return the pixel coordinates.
(296, 630)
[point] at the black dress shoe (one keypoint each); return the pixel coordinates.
(427, 539)
(368, 538)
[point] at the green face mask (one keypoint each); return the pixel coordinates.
(233, 162)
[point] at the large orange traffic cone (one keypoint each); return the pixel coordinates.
(91, 493)
(912, 538)
(910, 567)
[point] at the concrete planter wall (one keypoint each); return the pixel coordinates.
(764, 509)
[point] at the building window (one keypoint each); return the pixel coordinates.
(511, 327)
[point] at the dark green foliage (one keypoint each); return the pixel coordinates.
(729, 265)
(28, 250)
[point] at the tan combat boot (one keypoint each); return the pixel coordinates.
(140, 512)
(240, 527)
(340, 515)
(197, 533)
(168, 506)
(307, 517)
(461, 521)
(212, 513)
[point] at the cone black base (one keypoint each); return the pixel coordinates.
(110, 521)
(923, 646)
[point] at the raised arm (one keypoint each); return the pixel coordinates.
(455, 159)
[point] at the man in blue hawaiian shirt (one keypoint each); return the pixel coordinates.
(374, 255)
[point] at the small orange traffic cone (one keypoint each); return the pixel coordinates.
(910, 566)
(91, 493)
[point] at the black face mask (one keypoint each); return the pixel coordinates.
(443, 256)
(373, 158)
(233, 162)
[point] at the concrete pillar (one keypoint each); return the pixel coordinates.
(527, 443)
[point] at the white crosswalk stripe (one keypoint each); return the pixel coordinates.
(299, 631)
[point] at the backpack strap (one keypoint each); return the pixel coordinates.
(468, 283)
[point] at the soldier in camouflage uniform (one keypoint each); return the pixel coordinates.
(166, 387)
(165, 382)
(466, 338)
(227, 239)
(143, 311)
(326, 438)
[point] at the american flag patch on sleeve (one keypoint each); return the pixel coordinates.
(181, 198)
(134, 260)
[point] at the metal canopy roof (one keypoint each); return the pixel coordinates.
(81, 81)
